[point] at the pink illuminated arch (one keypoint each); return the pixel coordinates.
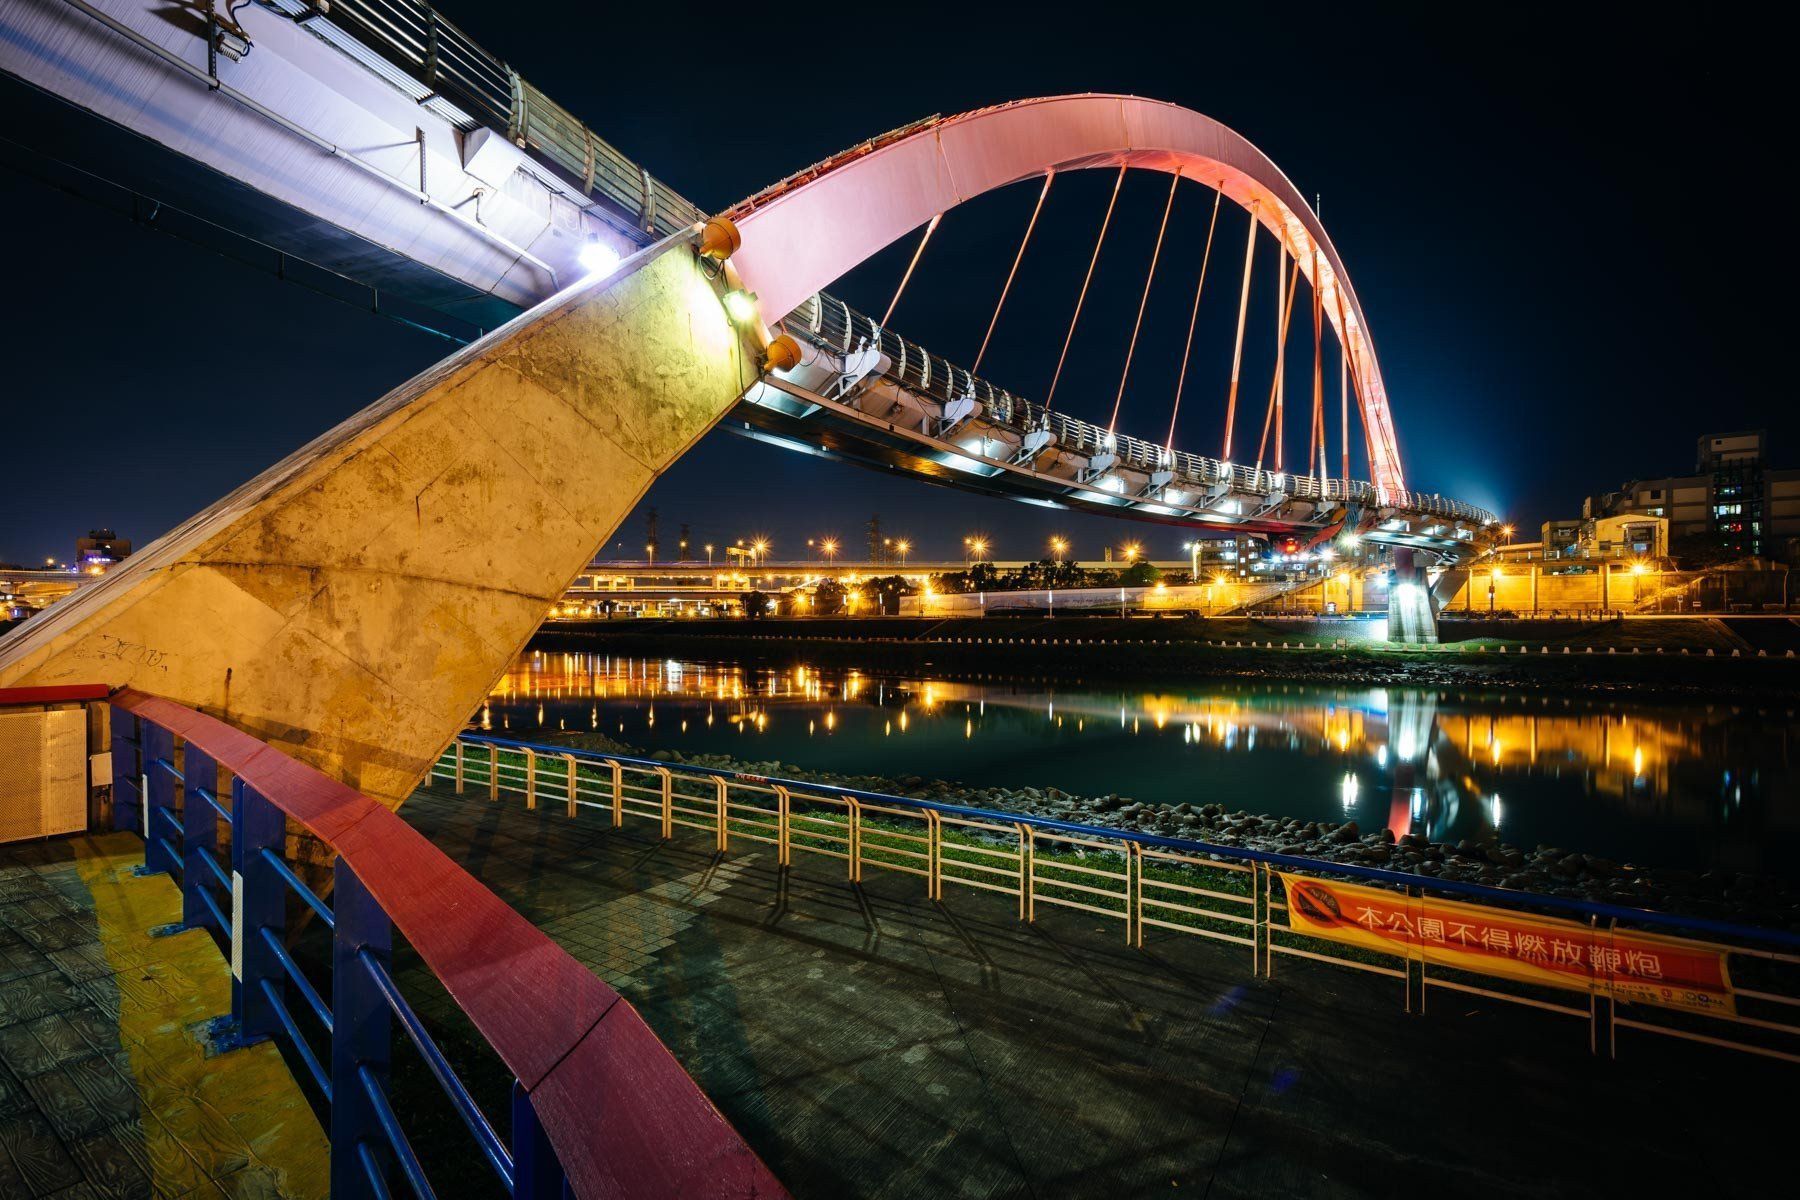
(807, 231)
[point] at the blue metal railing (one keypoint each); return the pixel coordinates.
(1507, 897)
(352, 1074)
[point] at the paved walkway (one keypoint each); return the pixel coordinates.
(870, 1043)
(104, 1090)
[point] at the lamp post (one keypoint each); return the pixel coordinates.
(709, 550)
(1493, 578)
(1193, 549)
(903, 546)
(828, 547)
(1058, 545)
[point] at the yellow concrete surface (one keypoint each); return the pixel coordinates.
(235, 1124)
(355, 603)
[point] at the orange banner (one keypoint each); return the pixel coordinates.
(1629, 966)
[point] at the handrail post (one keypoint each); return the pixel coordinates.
(158, 743)
(668, 802)
(360, 1032)
(258, 902)
(199, 835)
(459, 766)
(618, 792)
(574, 782)
(537, 1173)
(855, 840)
(1027, 874)
(784, 840)
(530, 777)
(1134, 894)
(934, 855)
(724, 809)
(128, 776)
(493, 771)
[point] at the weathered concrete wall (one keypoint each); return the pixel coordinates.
(354, 603)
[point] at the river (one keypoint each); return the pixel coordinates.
(1697, 785)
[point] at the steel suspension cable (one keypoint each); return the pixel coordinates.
(930, 228)
(1082, 298)
(1355, 371)
(1194, 317)
(1316, 450)
(1286, 306)
(1143, 301)
(1284, 311)
(1344, 411)
(1237, 352)
(1017, 259)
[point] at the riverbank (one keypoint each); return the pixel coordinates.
(1545, 869)
(1690, 657)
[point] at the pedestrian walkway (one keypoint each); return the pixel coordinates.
(868, 1042)
(107, 1087)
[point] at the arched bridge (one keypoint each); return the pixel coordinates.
(329, 84)
(355, 602)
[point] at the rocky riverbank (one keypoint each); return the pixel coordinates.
(1547, 870)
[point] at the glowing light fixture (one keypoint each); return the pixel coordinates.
(597, 258)
(740, 305)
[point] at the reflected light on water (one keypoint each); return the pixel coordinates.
(1589, 773)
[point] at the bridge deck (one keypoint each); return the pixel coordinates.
(870, 1043)
(104, 1089)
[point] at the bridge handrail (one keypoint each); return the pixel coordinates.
(832, 323)
(578, 1051)
(1476, 891)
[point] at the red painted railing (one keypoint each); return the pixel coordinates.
(622, 1116)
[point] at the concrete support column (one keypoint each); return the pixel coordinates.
(1412, 610)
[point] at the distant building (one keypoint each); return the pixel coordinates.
(1558, 539)
(102, 547)
(1734, 500)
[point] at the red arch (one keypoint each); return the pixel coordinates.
(808, 230)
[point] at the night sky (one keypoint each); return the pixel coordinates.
(1557, 229)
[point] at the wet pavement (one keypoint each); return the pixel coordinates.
(106, 1091)
(869, 1042)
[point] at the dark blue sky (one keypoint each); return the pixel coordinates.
(1553, 226)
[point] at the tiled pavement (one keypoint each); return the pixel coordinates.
(104, 1091)
(869, 1043)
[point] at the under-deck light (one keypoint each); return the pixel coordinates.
(597, 258)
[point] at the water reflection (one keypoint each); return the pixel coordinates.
(1700, 785)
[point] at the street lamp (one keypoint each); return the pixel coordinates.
(709, 550)
(1193, 549)
(979, 547)
(1058, 547)
(903, 546)
(829, 548)
(1493, 575)
(1132, 551)
(758, 548)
